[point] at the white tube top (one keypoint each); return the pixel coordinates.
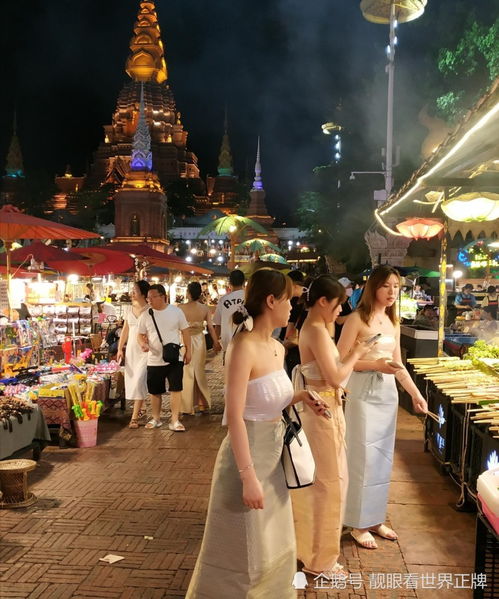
(383, 348)
(266, 397)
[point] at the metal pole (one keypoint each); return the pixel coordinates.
(390, 69)
(442, 306)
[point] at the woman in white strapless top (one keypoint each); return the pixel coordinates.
(248, 547)
(318, 509)
(371, 413)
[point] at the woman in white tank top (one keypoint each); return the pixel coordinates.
(248, 547)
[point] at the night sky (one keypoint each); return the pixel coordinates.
(282, 66)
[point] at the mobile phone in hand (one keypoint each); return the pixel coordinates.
(374, 338)
(316, 397)
(394, 364)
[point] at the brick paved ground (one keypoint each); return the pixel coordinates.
(143, 495)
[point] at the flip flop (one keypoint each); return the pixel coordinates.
(337, 571)
(153, 424)
(133, 423)
(364, 539)
(384, 532)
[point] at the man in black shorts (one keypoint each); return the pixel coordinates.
(172, 326)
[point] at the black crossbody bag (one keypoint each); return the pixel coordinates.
(171, 351)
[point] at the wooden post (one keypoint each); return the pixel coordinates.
(442, 307)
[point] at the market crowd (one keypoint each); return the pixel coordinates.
(288, 344)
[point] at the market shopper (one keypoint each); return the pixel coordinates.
(135, 358)
(172, 326)
(227, 305)
(248, 547)
(195, 390)
(371, 412)
(318, 509)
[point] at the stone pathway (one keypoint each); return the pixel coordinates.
(143, 495)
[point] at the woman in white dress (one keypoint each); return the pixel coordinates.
(371, 412)
(248, 547)
(135, 358)
(195, 391)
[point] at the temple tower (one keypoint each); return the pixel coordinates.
(13, 183)
(257, 209)
(223, 189)
(140, 204)
(146, 66)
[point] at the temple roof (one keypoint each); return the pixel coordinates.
(14, 166)
(147, 61)
(225, 157)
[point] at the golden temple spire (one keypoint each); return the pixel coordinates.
(147, 60)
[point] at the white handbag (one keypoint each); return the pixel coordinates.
(297, 458)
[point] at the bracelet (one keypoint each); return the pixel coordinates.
(246, 468)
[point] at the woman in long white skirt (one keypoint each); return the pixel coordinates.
(135, 358)
(371, 412)
(248, 549)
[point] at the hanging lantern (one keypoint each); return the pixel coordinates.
(472, 207)
(417, 228)
(378, 11)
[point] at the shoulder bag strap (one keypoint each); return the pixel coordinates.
(151, 312)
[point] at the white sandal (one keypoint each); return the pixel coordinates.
(176, 427)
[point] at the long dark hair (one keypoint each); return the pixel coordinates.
(194, 290)
(324, 286)
(263, 282)
(143, 287)
(376, 279)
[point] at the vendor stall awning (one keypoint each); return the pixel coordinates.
(468, 160)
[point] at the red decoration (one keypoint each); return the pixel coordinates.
(417, 228)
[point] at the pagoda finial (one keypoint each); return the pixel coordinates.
(225, 157)
(147, 60)
(14, 166)
(257, 183)
(141, 148)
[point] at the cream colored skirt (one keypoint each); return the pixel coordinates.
(318, 509)
(248, 554)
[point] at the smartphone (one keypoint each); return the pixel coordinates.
(374, 338)
(317, 397)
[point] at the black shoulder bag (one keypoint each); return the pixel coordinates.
(171, 351)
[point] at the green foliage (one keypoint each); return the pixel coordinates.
(180, 200)
(35, 193)
(93, 206)
(242, 199)
(468, 67)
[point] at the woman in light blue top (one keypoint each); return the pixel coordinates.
(371, 412)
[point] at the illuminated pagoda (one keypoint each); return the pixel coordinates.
(140, 204)
(223, 189)
(147, 69)
(13, 182)
(257, 209)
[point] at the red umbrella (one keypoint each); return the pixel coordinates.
(159, 258)
(14, 224)
(105, 261)
(41, 253)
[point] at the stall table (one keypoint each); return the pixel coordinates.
(32, 433)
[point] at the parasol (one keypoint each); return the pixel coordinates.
(257, 244)
(157, 258)
(14, 224)
(275, 258)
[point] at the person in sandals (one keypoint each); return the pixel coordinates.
(135, 358)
